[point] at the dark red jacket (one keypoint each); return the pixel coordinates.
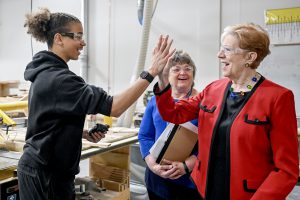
(263, 138)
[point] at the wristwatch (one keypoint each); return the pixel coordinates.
(146, 75)
(186, 169)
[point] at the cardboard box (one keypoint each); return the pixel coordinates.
(9, 88)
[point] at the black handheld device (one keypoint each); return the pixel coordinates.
(99, 128)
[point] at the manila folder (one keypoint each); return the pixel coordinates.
(180, 143)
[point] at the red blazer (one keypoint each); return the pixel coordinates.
(264, 163)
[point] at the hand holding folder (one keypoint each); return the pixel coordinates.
(175, 143)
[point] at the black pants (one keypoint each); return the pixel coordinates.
(39, 184)
(177, 192)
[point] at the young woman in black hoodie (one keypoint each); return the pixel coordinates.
(59, 100)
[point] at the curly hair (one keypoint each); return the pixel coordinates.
(43, 24)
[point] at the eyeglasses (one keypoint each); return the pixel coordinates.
(74, 36)
(176, 69)
(229, 50)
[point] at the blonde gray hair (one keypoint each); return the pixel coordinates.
(181, 57)
(251, 37)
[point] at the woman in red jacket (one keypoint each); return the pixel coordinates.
(248, 147)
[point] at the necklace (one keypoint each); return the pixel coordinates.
(249, 86)
(186, 96)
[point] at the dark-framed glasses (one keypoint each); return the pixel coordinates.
(74, 36)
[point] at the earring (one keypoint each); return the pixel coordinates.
(247, 65)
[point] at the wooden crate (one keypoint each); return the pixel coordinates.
(117, 158)
(6, 87)
(111, 171)
(111, 178)
(111, 195)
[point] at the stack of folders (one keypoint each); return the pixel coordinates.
(175, 143)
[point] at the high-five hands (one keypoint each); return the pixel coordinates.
(164, 75)
(160, 55)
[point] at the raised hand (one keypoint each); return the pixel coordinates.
(160, 55)
(163, 80)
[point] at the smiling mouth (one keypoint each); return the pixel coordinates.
(225, 65)
(182, 79)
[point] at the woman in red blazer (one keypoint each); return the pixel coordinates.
(248, 147)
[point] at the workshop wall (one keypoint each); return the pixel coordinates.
(114, 35)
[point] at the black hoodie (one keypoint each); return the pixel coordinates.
(58, 103)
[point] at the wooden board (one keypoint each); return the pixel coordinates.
(7, 167)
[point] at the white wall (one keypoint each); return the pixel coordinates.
(15, 51)
(283, 64)
(114, 36)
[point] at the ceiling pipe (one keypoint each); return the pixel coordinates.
(126, 119)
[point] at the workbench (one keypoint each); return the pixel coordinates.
(111, 156)
(109, 160)
(92, 151)
(111, 164)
